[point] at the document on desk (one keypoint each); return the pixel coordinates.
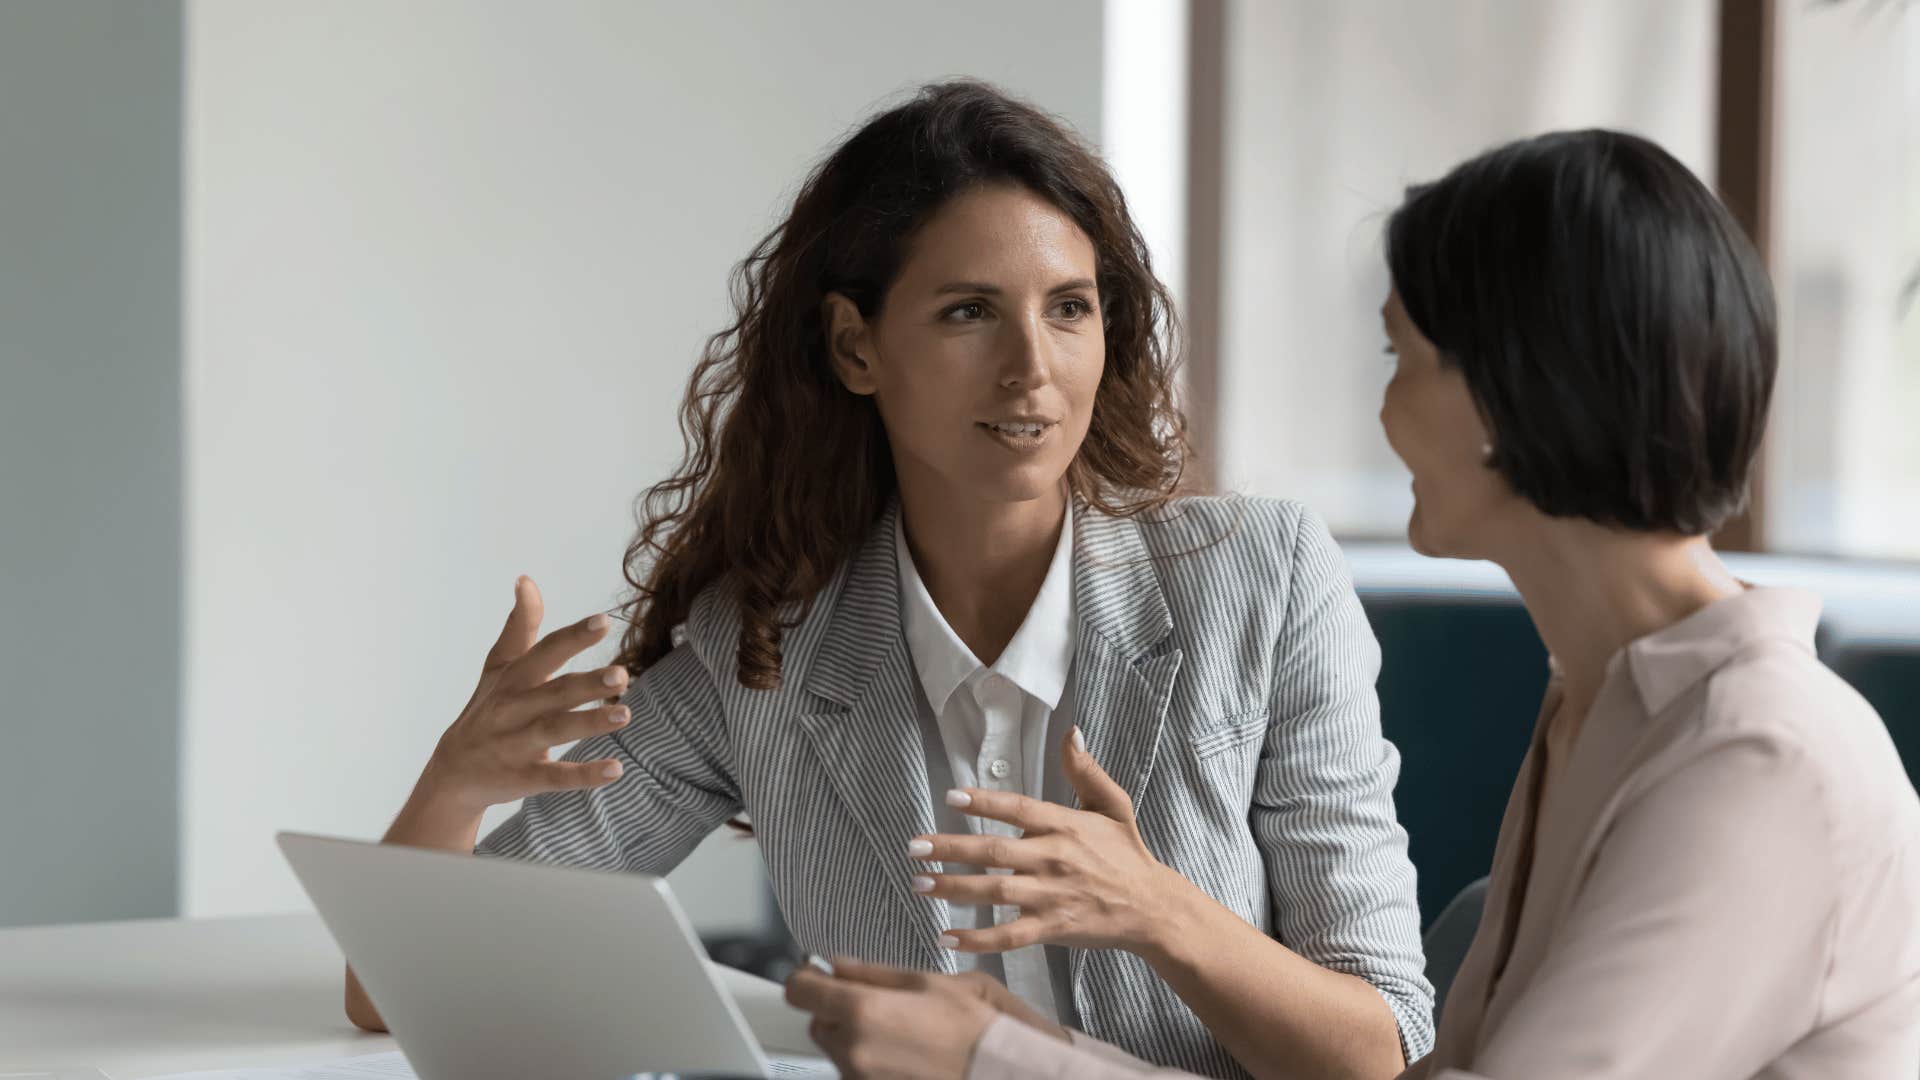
(389, 1066)
(780, 1029)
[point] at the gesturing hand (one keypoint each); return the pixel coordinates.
(1080, 877)
(498, 749)
(876, 1021)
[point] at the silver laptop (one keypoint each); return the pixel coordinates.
(486, 968)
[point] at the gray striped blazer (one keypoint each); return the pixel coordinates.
(1224, 675)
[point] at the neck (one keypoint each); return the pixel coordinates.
(1591, 590)
(983, 563)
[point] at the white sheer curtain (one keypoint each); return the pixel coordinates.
(1332, 110)
(1845, 455)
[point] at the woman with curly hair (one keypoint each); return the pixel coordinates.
(930, 534)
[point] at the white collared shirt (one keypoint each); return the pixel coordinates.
(1000, 727)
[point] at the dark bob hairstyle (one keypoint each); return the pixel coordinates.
(1614, 324)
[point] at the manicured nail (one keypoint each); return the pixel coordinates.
(948, 941)
(919, 848)
(956, 797)
(820, 964)
(621, 715)
(922, 883)
(1079, 740)
(611, 770)
(614, 677)
(598, 622)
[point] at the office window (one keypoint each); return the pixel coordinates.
(1844, 462)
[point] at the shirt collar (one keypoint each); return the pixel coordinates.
(1038, 657)
(1669, 661)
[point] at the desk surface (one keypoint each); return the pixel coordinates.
(141, 999)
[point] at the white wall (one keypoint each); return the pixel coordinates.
(1332, 110)
(89, 459)
(448, 265)
(1143, 118)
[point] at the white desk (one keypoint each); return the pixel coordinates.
(140, 999)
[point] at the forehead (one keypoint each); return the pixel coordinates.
(997, 234)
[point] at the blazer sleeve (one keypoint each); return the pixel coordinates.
(1698, 945)
(677, 785)
(1011, 1050)
(1322, 811)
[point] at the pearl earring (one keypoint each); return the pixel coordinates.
(1486, 451)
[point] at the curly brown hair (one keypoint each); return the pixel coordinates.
(786, 472)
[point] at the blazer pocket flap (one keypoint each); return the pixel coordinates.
(1228, 732)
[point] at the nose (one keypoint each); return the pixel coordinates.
(1025, 363)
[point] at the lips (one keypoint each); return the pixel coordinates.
(1020, 429)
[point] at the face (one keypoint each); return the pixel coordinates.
(987, 351)
(1461, 506)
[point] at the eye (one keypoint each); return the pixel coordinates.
(971, 311)
(1074, 309)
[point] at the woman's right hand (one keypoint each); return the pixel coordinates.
(499, 748)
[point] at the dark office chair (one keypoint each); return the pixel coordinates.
(1447, 939)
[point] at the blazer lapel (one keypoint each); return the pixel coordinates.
(1123, 679)
(865, 734)
(1123, 673)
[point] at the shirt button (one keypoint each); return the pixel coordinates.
(999, 769)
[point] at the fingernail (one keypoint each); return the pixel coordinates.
(948, 941)
(922, 883)
(621, 716)
(1079, 740)
(598, 622)
(611, 770)
(956, 797)
(820, 963)
(614, 677)
(917, 848)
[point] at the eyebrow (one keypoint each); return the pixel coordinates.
(984, 289)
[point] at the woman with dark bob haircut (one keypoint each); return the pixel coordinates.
(1710, 864)
(928, 560)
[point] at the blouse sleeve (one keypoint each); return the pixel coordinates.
(1698, 945)
(1011, 1050)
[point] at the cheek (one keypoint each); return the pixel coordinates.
(1400, 422)
(1082, 376)
(923, 378)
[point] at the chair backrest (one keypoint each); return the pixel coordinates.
(1460, 686)
(1462, 673)
(1450, 935)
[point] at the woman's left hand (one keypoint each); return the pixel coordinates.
(1080, 877)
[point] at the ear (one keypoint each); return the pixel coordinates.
(849, 343)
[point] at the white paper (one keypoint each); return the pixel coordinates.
(388, 1066)
(780, 1028)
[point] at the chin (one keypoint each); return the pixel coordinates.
(1023, 482)
(1432, 542)
(1021, 487)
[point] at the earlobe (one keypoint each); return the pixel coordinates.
(849, 346)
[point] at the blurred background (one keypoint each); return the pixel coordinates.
(322, 321)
